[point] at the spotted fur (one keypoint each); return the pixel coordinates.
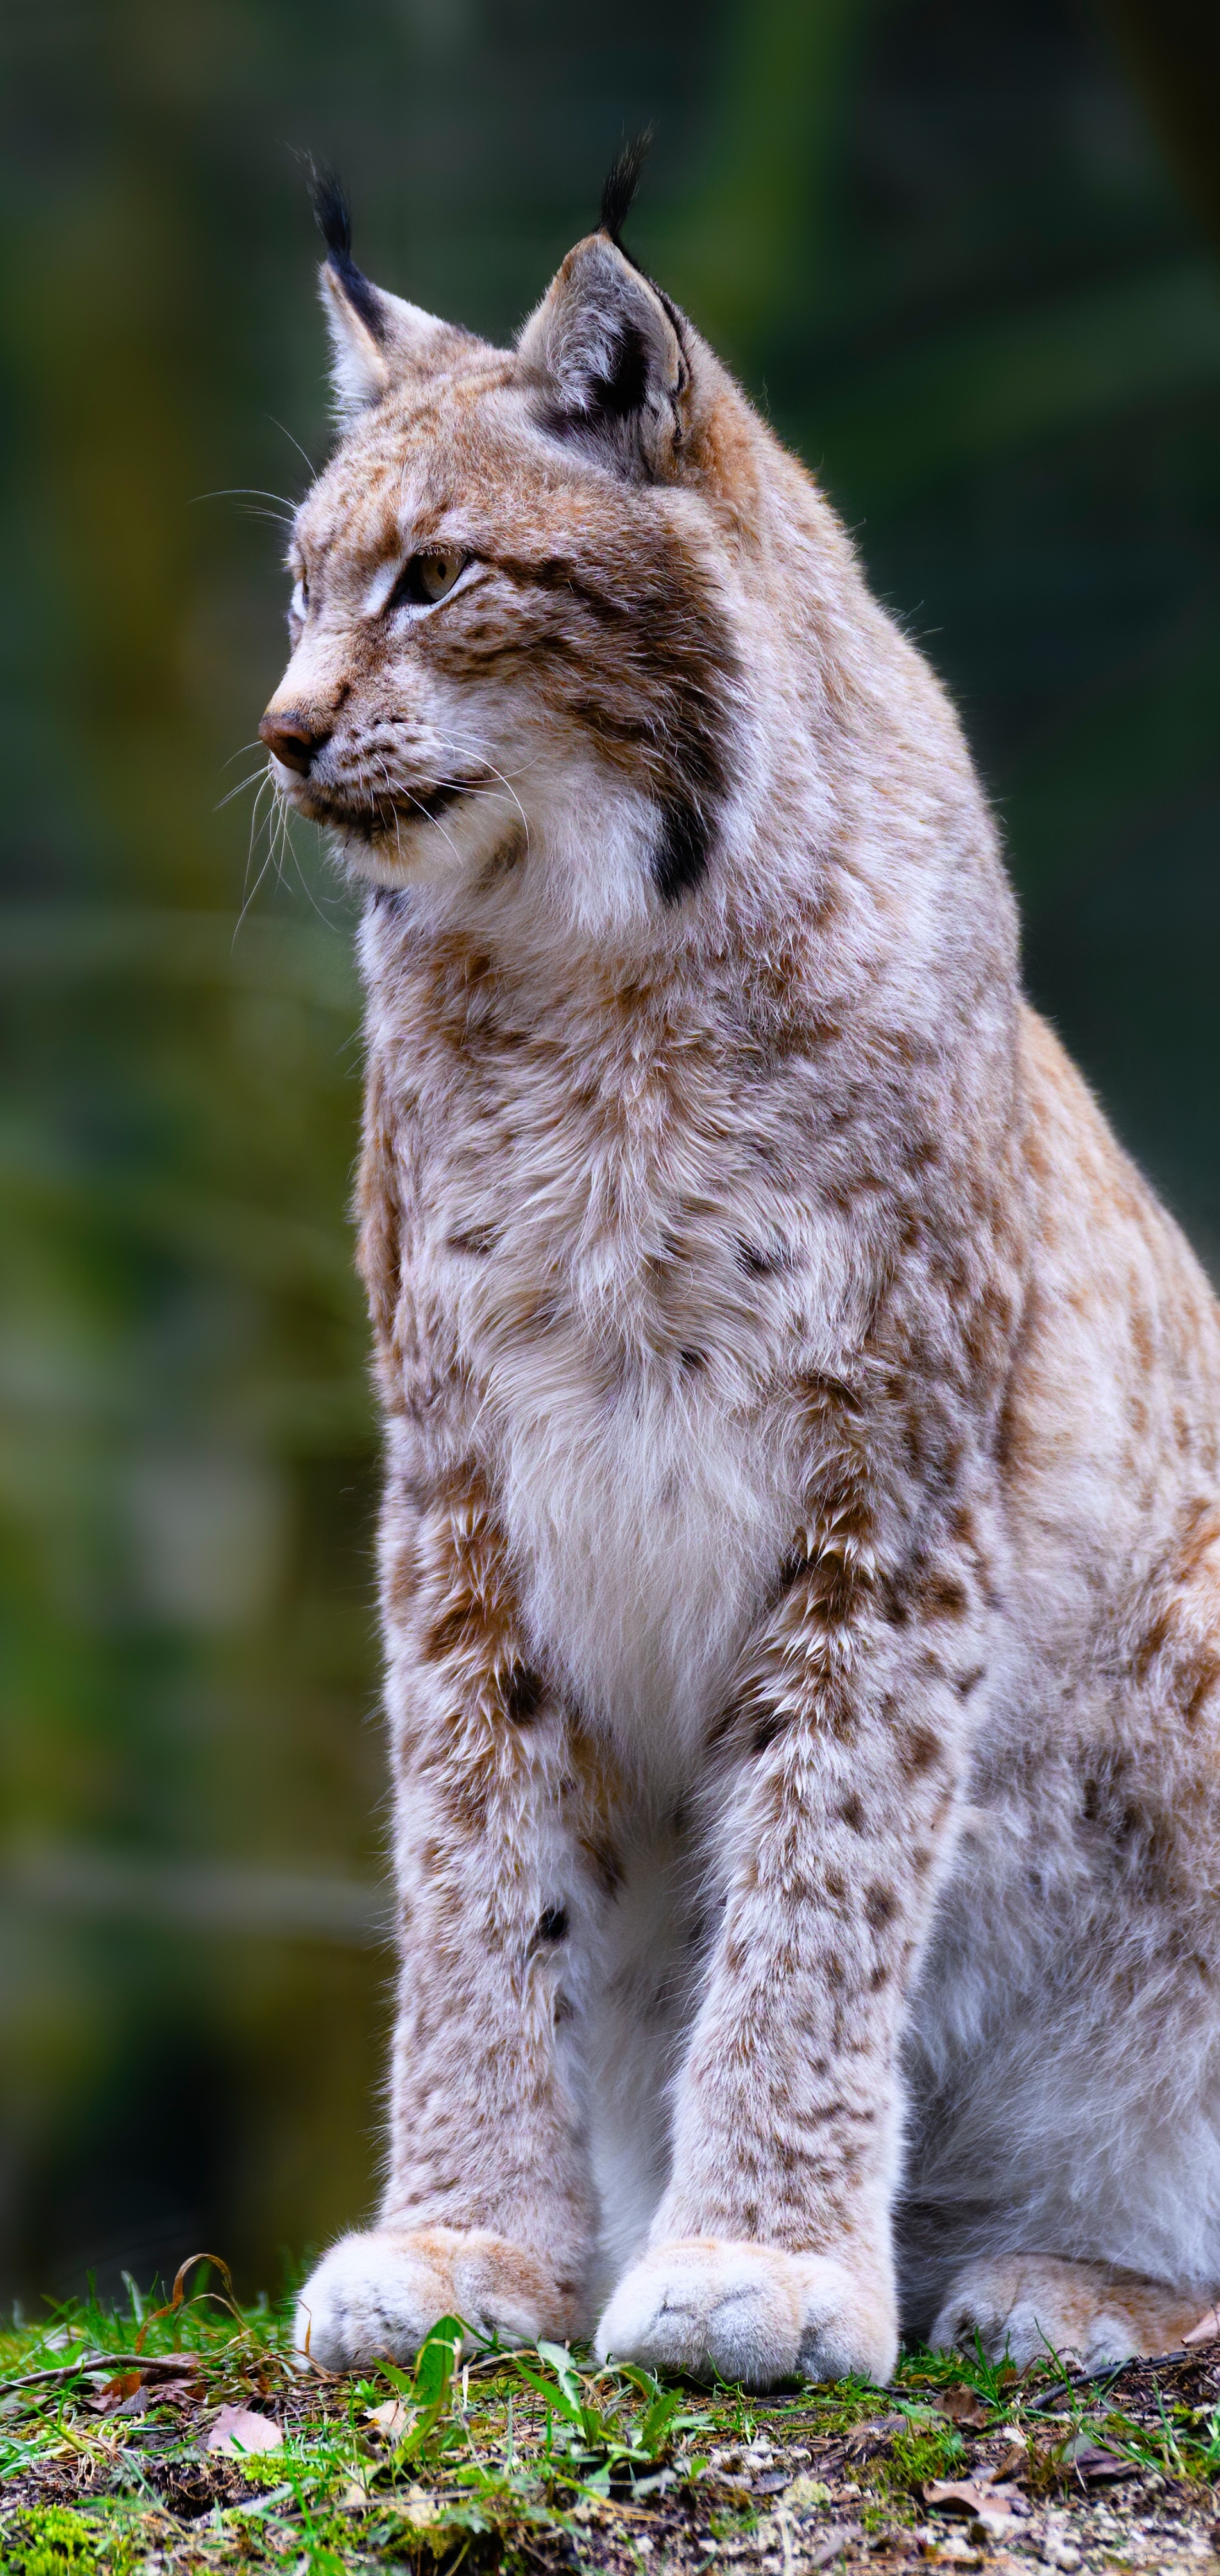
(801, 1546)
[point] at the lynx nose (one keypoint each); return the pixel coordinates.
(293, 738)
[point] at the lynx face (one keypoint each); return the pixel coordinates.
(515, 591)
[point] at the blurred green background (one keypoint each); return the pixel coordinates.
(965, 258)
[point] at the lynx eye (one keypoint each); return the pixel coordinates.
(427, 578)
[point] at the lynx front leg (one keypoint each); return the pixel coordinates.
(486, 2211)
(770, 2254)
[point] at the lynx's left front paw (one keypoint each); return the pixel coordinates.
(707, 2305)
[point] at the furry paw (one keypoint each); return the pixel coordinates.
(707, 2305)
(1022, 2306)
(377, 2294)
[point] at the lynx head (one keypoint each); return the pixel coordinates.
(516, 673)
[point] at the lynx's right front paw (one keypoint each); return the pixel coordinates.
(711, 2306)
(376, 2295)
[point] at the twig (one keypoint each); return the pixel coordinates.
(1103, 2381)
(173, 2365)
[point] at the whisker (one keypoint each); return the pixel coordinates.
(255, 827)
(436, 822)
(420, 808)
(246, 492)
(498, 773)
(393, 809)
(248, 896)
(281, 832)
(295, 442)
(306, 888)
(239, 790)
(477, 743)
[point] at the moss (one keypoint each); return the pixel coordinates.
(50, 2540)
(917, 2457)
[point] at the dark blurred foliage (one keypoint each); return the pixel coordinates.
(961, 258)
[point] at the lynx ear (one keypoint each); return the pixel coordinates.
(375, 338)
(605, 349)
(605, 354)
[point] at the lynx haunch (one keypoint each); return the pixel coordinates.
(801, 1544)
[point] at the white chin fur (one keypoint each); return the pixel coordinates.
(429, 849)
(580, 845)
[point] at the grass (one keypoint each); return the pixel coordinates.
(537, 2459)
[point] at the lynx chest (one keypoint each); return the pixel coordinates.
(616, 1285)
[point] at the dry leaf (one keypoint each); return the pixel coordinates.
(133, 2391)
(137, 2404)
(866, 2435)
(116, 2392)
(1207, 2329)
(994, 2506)
(391, 2419)
(962, 2406)
(239, 2432)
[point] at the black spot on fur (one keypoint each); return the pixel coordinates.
(621, 182)
(332, 215)
(765, 1733)
(553, 1924)
(522, 1695)
(475, 1243)
(760, 1262)
(681, 856)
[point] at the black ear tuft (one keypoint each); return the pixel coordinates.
(331, 212)
(622, 180)
(332, 215)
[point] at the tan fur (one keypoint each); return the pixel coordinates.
(1028, 2305)
(801, 1549)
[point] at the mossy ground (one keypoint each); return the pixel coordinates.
(539, 2461)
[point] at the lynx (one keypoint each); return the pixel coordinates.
(800, 1562)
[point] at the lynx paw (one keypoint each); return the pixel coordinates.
(748, 2312)
(1024, 2305)
(377, 2294)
